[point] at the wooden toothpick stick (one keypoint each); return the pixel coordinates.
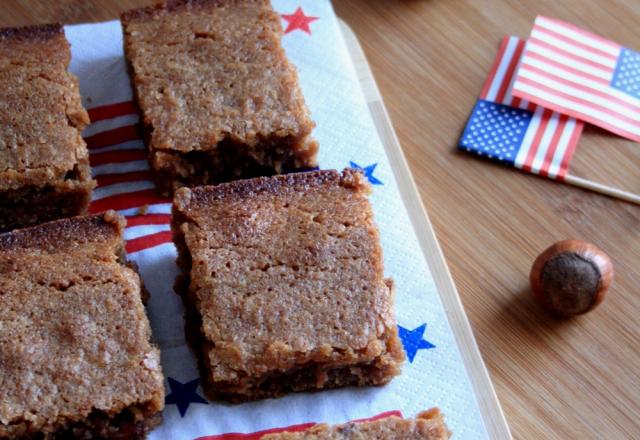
(603, 189)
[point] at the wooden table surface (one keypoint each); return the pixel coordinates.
(555, 379)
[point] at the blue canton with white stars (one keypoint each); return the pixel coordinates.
(626, 77)
(413, 340)
(368, 172)
(496, 131)
(183, 394)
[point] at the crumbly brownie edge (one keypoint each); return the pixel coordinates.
(131, 423)
(35, 32)
(31, 205)
(436, 421)
(430, 425)
(311, 377)
(230, 161)
(60, 233)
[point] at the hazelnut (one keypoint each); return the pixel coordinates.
(571, 277)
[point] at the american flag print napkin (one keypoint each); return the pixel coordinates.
(434, 374)
(517, 132)
(119, 164)
(580, 74)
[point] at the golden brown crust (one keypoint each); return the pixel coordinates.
(60, 234)
(428, 425)
(75, 351)
(284, 276)
(36, 32)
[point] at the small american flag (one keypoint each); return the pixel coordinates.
(517, 132)
(580, 74)
(119, 164)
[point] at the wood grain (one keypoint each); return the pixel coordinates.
(555, 379)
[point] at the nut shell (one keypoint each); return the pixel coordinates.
(571, 277)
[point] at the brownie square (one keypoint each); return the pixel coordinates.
(44, 163)
(283, 285)
(218, 97)
(428, 425)
(75, 354)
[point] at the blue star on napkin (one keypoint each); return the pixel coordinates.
(183, 394)
(368, 172)
(413, 340)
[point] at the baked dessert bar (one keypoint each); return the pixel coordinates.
(283, 285)
(44, 165)
(218, 98)
(75, 356)
(428, 425)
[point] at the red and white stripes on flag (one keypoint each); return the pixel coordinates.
(580, 74)
(551, 138)
(119, 164)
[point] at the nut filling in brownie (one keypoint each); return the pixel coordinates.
(283, 285)
(218, 97)
(44, 166)
(428, 425)
(75, 354)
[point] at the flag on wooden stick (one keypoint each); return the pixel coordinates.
(515, 131)
(523, 134)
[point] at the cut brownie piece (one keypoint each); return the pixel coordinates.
(283, 285)
(218, 98)
(75, 356)
(44, 165)
(428, 425)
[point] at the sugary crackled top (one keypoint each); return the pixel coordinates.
(41, 115)
(286, 267)
(74, 335)
(428, 425)
(210, 70)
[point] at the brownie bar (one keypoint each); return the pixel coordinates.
(44, 165)
(218, 97)
(283, 285)
(428, 425)
(75, 354)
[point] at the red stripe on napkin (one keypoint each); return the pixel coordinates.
(112, 111)
(115, 136)
(148, 241)
(148, 219)
(127, 200)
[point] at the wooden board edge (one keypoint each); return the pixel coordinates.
(492, 414)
